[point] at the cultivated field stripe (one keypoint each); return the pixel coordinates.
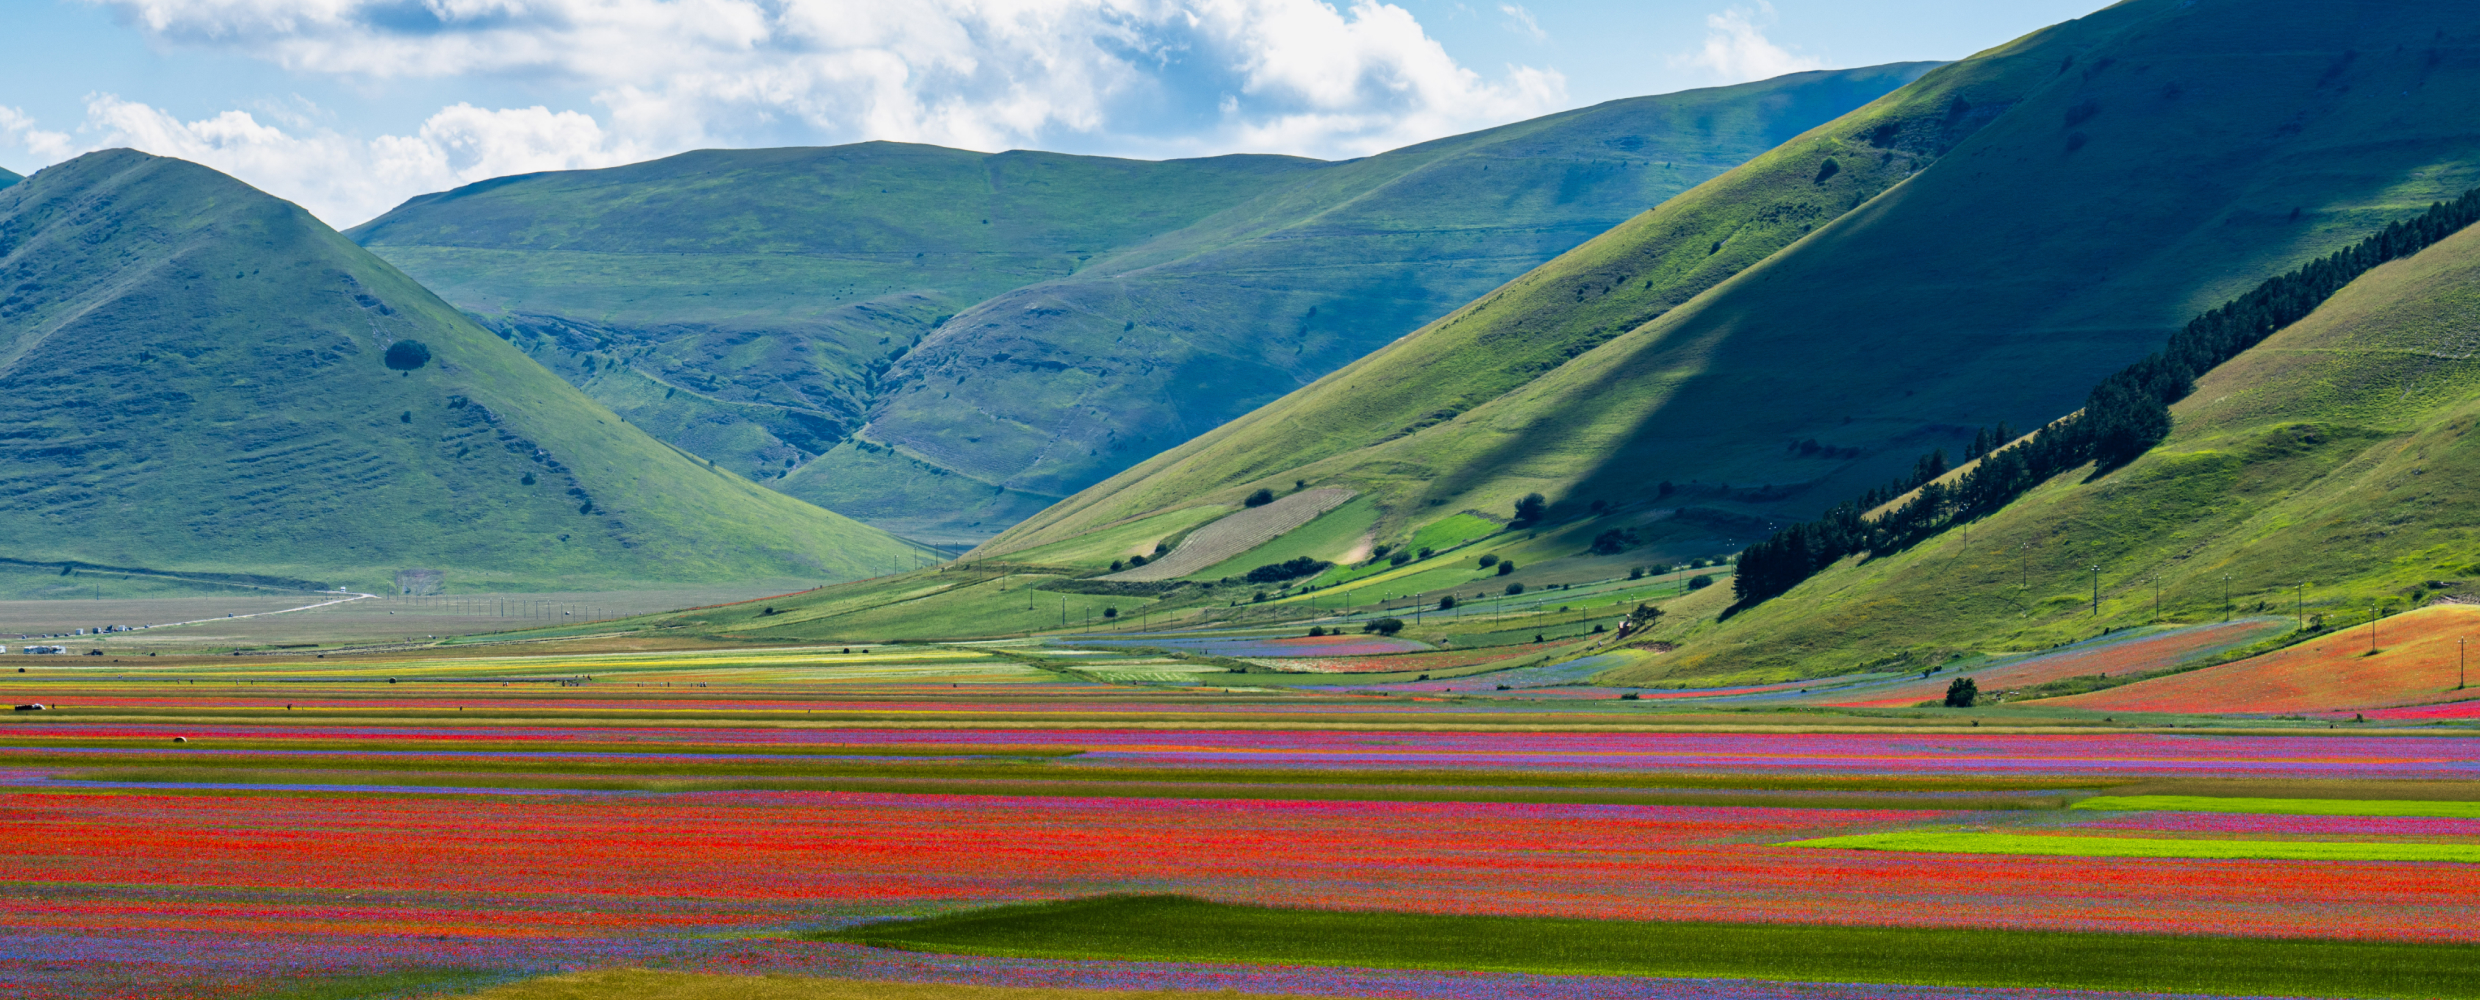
(2146, 847)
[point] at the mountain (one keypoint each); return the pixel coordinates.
(2327, 471)
(1978, 247)
(7, 178)
(205, 379)
(942, 342)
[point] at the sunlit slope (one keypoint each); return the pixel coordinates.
(2142, 163)
(7, 178)
(197, 384)
(2328, 469)
(1047, 389)
(742, 304)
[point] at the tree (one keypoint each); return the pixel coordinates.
(1505, 568)
(1316, 631)
(1110, 612)
(1962, 692)
(1260, 498)
(1700, 582)
(1645, 615)
(1385, 626)
(1514, 588)
(1532, 508)
(406, 355)
(1488, 561)
(1446, 603)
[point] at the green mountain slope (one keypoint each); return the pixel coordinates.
(1989, 241)
(1044, 390)
(2328, 469)
(206, 379)
(744, 304)
(757, 307)
(7, 178)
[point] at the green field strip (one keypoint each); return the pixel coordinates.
(2146, 847)
(2287, 807)
(1173, 928)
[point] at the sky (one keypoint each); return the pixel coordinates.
(348, 107)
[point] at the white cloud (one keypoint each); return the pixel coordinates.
(19, 128)
(1737, 50)
(1131, 77)
(341, 179)
(1523, 21)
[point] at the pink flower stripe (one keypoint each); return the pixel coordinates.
(2332, 674)
(1442, 660)
(2130, 655)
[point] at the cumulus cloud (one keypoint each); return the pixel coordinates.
(21, 132)
(1129, 77)
(341, 179)
(1737, 50)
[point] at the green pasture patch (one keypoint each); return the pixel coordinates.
(1966, 842)
(1450, 532)
(1099, 548)
(1328, 537)
(2286, 807)
(1176, 928)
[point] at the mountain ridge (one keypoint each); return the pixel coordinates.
(1957, 296)
(318, 415)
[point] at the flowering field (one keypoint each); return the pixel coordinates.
(1447, 659)
(2134, 654)
(1356, 644)
(2414, 665)
(505, 816)
(322, 883)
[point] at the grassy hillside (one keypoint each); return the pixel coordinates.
(1047, 389)
(1989, 242)
(758, 307)
(207, 380)
(7, 178)
(2324, 472)
(744, 304)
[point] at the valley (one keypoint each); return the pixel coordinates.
(1987, 529)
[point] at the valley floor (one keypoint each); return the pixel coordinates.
(1256, 810)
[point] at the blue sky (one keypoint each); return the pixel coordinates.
(350, 106)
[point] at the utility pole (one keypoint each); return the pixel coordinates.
(2096, 580)
(2372, 626)
(2225, 597)
(2299, 603)
(2458, 663)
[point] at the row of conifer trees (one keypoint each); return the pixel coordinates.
(2126, 415)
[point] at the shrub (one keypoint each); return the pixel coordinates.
(1162, 549)
(1316, 631)
(1399, 559)
(1289, 570)
(1613, 542)
(1260, 498)
(1700, 582)
(1827, 170)
(406, 355)
(1427, 552)
(1446, 603)
(1505, 568)
(1636, 574)
(1386, 626)
(1514, 588)
(1110, 612)
(1136, 560)
(1532, 508)
(1962, 692)
(1488, 561)
(1117, 565)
